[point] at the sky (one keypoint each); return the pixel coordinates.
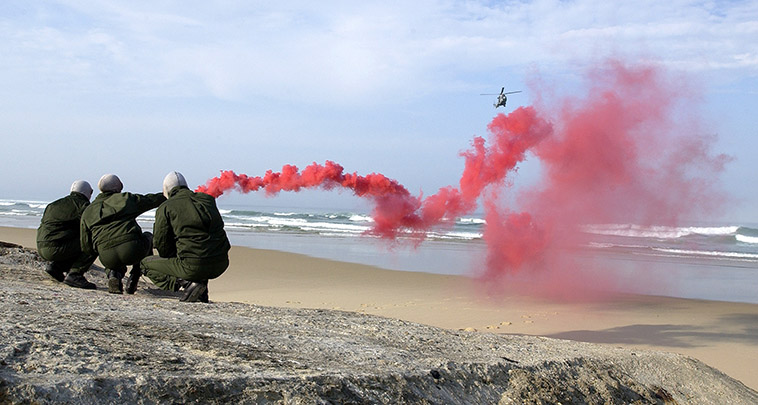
(141, 88)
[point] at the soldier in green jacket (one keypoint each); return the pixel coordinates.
(58, 237)
(190, 239)
(109, 229)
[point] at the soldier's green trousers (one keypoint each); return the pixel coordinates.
(67, 257)
(116, 258)
(164, 272)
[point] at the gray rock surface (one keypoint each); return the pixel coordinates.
(65, 345)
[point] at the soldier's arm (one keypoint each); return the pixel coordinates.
(164, 240)
(146, 202)
(85, 239)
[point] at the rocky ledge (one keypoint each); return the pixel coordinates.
(61, 344)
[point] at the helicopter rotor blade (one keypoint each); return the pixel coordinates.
(513, 92)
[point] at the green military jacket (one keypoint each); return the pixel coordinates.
(60, 221)
(111, 219)
(189, 226)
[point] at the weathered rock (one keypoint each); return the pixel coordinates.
(61, 344)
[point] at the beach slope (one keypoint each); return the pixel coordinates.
(60, 344)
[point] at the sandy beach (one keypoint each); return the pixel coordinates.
(721, 334)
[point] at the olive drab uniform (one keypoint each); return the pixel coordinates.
(109, 229)
(58, 236)
(190, 239)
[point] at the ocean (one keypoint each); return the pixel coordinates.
(704, 261)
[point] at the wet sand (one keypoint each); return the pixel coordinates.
(721, 334)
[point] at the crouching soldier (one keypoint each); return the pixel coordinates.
(190, 239)
(58, 237)
(109, 229)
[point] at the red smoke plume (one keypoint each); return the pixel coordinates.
(395, 209)
(629, 152)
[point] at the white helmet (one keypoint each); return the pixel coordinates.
(110, 182)
(173, 179)
(82, 187)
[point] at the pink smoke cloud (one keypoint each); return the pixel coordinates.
(630, 150)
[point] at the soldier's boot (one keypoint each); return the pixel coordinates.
(115, 286)
(133, 280)
(54, 272)
(77, 280)
(181, 283)
(194, 291)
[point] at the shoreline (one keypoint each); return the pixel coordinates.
(719, 333)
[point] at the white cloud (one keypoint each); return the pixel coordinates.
(343, 52)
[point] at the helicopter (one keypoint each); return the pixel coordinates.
(501, 98)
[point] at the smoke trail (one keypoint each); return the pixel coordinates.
(627, 153)
(395, 209)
